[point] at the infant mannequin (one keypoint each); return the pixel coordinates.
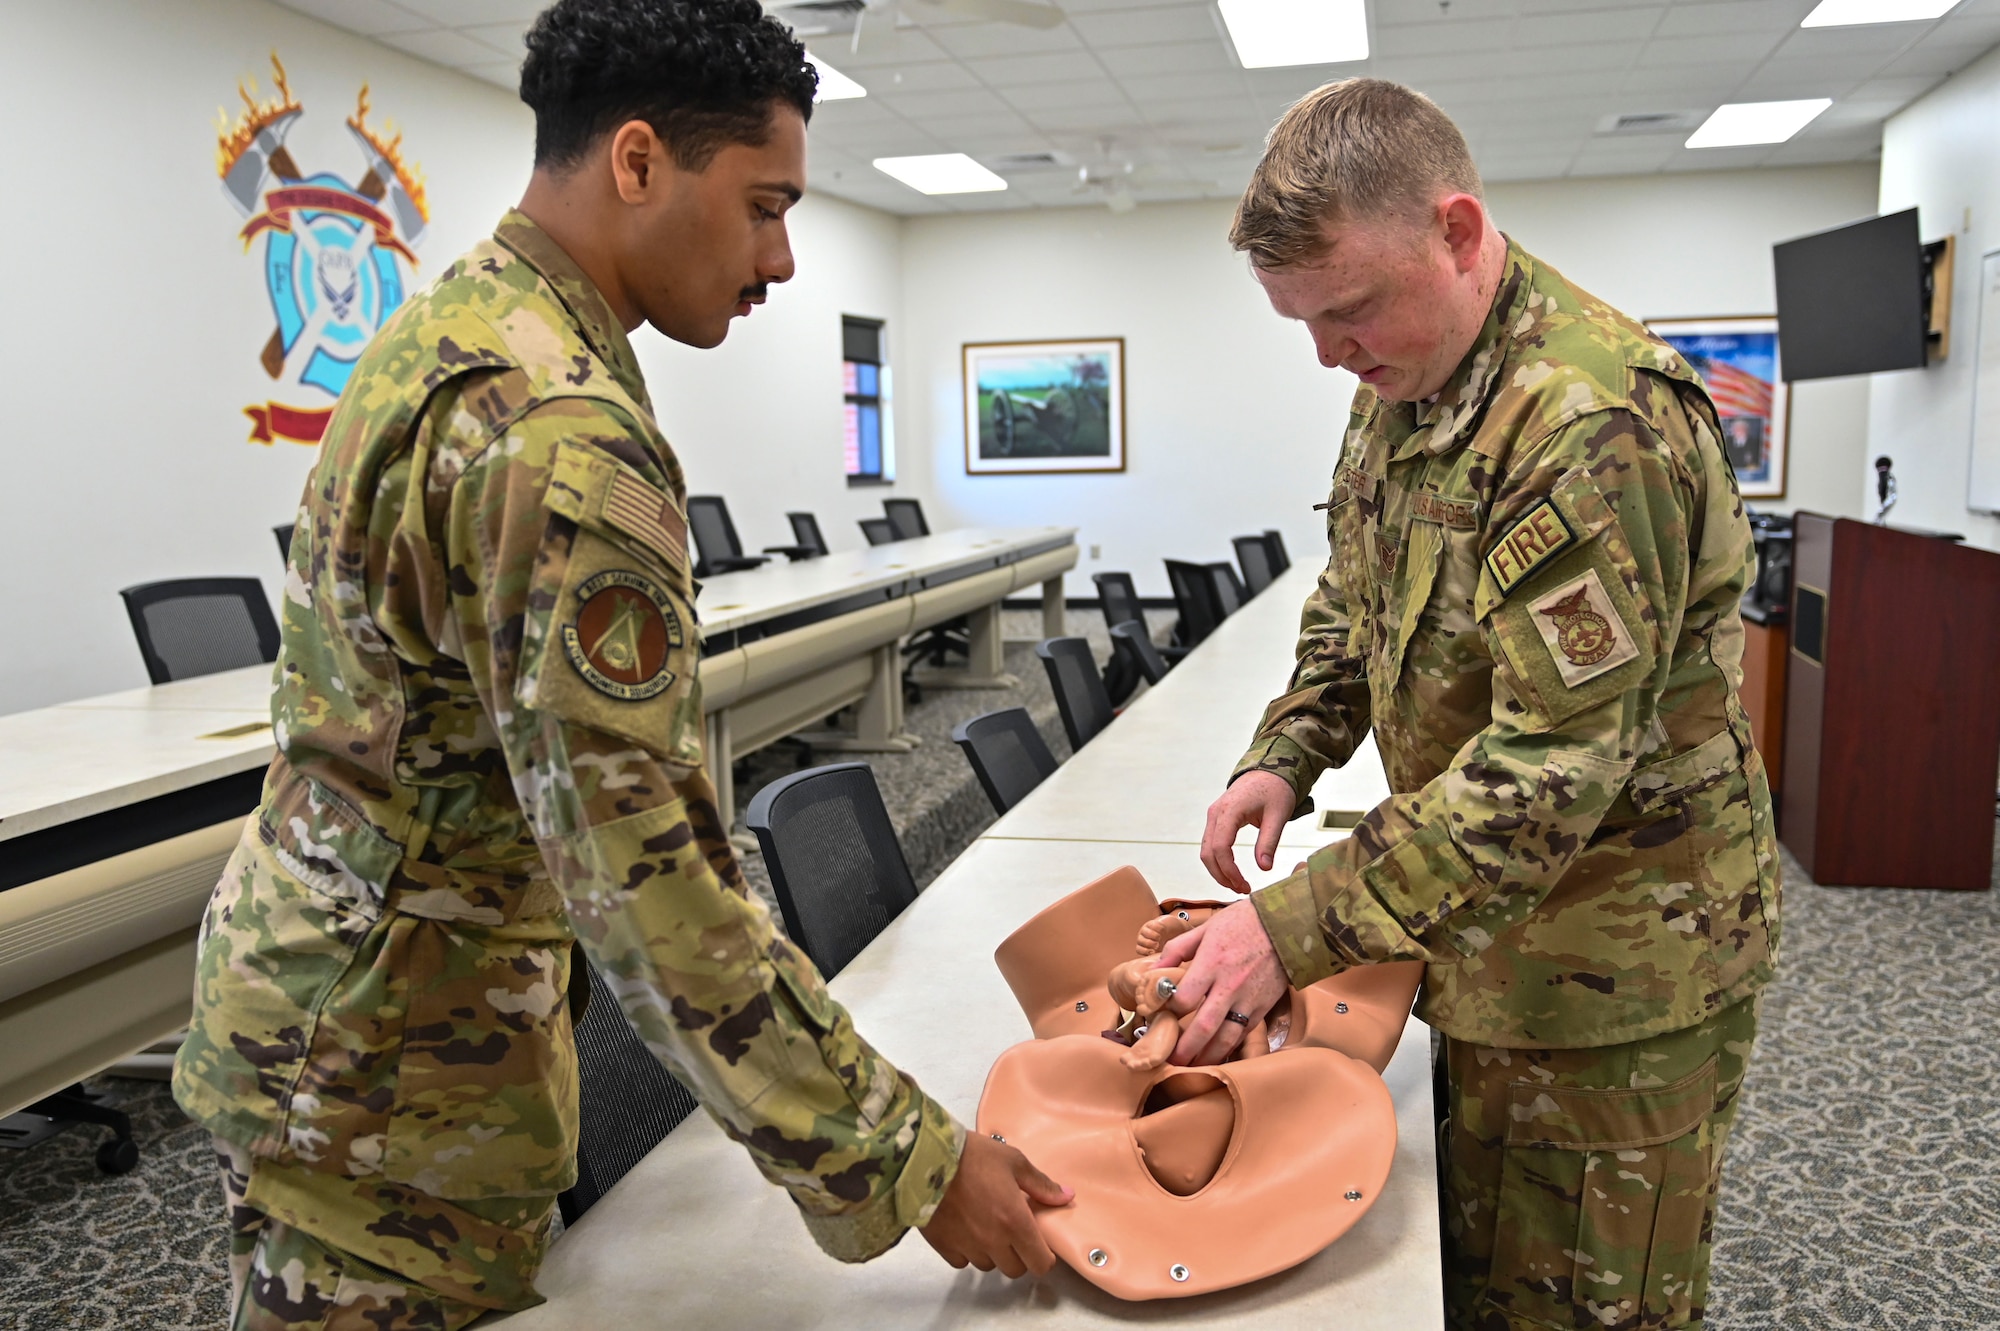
(1143, 988)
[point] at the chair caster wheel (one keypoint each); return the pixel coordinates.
(118, 1156)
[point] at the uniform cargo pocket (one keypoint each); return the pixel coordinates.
(1602, 1197)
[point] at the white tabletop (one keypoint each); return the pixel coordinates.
(694, 1238)
(66, 762)
(732, 600)
(1151, 775)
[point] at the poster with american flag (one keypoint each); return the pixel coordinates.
(1738, 361)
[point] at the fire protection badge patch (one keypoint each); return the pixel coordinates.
(1582, 629)
(624, 633)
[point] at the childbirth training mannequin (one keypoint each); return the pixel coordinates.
(1188, 1180)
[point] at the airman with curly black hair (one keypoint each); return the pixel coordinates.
(490, 748)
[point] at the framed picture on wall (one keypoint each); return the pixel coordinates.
(1044, 406)
(1737, 358)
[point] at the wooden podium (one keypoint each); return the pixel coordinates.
(1892, 714)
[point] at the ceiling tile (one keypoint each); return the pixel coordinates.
(441, 46)
(1757, 17)
(1715, 50)
(988, 39)
(1178, 58)
(369, 18)
(1421, 39)
(1607, 25)
(1054, 96)
(1148, 27)
(509, 39)
(463, 13)
(880, 45)
(927, 106)
(1025, 70)
(935, 76)
(1156, 86)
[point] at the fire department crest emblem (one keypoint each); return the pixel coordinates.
(336, 256)
(1582, 634)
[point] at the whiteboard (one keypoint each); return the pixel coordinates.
(1983, 488)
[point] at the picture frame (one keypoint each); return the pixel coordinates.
(1737, 358)
(1037, 408)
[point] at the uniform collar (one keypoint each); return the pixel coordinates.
(589, 312)
(1442, 423)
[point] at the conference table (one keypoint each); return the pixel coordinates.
(118, 812)
(693, 1237)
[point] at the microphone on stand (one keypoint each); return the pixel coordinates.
(1885, 488)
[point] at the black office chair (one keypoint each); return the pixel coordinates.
(1280, 561)
(284, 535)
(1228, 586)
(878, 531)
(1118, 598)
(1254, 554)
(197, 626)
(1199, 603)
(906, 518)
(1130, 642)
(807, 543)
(717, 550)
(1007, 754)
(1080, 695)
(836, 867)
(628, 1102)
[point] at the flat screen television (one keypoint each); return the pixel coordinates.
(1851, 300)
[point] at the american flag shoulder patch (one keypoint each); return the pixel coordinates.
(646, 515)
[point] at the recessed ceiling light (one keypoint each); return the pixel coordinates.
(1842, 13)
(940, 173)
(833, 85)
(1296, 32)
(1756, 122)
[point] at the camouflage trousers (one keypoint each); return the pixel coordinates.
(1579, 1185)
(284, 1279)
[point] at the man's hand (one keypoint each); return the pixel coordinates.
(984, 1218)
(1261, 799)
(1232, 967)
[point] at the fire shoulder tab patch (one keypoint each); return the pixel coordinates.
(1537, 536)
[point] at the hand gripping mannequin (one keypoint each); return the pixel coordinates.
(1190, 1180)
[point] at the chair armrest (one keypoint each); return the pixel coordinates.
(792, 552)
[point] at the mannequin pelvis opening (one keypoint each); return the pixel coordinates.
(1182, 1130)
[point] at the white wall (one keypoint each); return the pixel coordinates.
(1941, 155)
(1695, 245)
(131, 319)
(1232, 424)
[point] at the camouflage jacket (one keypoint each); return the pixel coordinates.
(490, 735)
(1532, 599)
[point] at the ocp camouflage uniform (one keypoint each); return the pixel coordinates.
(490, 745)
(1532, 599)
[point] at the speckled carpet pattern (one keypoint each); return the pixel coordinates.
(1861, 1190)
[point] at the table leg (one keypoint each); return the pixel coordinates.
(878, 717)
(1053, 622)
(986, 663)
(721, 768)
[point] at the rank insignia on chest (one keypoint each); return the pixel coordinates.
(625, 628)
(1584, 634)
(1386, 550)
(1537, 537)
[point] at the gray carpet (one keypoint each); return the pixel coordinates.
(1862, 1188)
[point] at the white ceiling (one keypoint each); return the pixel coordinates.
(1153, 86)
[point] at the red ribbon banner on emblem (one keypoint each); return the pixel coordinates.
(280, 204)
(301, 425)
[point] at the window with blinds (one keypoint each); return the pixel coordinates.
(865, 383)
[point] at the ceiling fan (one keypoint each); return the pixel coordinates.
(811, 18)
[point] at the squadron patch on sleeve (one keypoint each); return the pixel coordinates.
(1538, 536)
(624, 631)
(1582, 629)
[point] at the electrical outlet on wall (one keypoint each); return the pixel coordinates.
(1097, 552)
